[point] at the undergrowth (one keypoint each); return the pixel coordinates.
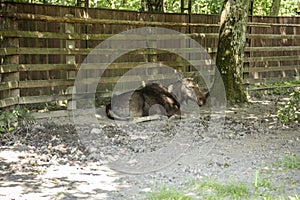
(11, 122)
(289, 112)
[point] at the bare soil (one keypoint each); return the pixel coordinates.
(55, 159)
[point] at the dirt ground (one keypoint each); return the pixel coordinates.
(55, 159)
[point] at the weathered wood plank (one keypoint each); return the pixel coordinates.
(44, 98)
(9, 68)
(272, 58)
(53, 35)
(38, 67)
(9, 102)
(269, 80)
(39, 17)
(44, 83)
(273, 49)
(8, 85)
(271, 69)
(272, 36)
(77, 51)
(267, 25)
(73, 36)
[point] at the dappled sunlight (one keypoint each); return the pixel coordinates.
(34, 180)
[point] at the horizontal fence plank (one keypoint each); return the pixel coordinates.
(269, 80)
(43, 51)
(272, 36)
(8, 85)
(270, 69)
(74, 36)
(271, 58)
(267, 25)
(71, 19)
(44, 98)
(11, 101)
(53, 35)
(7, 68)
(68, 19)
(44, 83)
(85, 51)
(272, 49)
(94, 66)
(101, 37)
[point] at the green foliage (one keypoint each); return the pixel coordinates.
(262, 182)
(288, 113)
(207, 6)
(261, 7)
(289, 162)
(168, 194)
(215, 190)
(10, 120)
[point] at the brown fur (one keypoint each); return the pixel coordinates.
(185, 90)
(155, 99)
(149, 100)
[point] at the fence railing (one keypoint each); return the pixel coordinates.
(42, 48)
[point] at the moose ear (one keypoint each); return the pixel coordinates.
(179, 76)
(193, 75)
(207, 94)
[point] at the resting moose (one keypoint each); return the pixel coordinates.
(149, 100)
(154, 99)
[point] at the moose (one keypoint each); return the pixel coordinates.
(155, 99)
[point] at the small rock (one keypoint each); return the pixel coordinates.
(96, 131)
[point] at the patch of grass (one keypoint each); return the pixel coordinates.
(168, 194)
(211, 189)
(262, 182)
(288, 113)
(279, 84)
(288, 162)
(262, 187)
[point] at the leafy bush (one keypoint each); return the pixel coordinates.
(288, 113)
(10, 121)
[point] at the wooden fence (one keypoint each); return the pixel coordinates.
(43, 46)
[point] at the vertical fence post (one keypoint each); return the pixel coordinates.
(10, 96)
(70, 59)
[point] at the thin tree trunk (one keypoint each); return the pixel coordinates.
(152, 5)
(230, 55)
(275, 8)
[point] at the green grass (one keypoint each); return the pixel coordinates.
(168, 194)
(211, 189)
(262, 187)
(279, 84)
(208, 189)
(288, 162)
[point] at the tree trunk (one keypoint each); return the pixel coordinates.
(275, 8)
(152, 5)
(230, 55)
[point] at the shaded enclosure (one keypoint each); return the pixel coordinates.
(43, 47)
